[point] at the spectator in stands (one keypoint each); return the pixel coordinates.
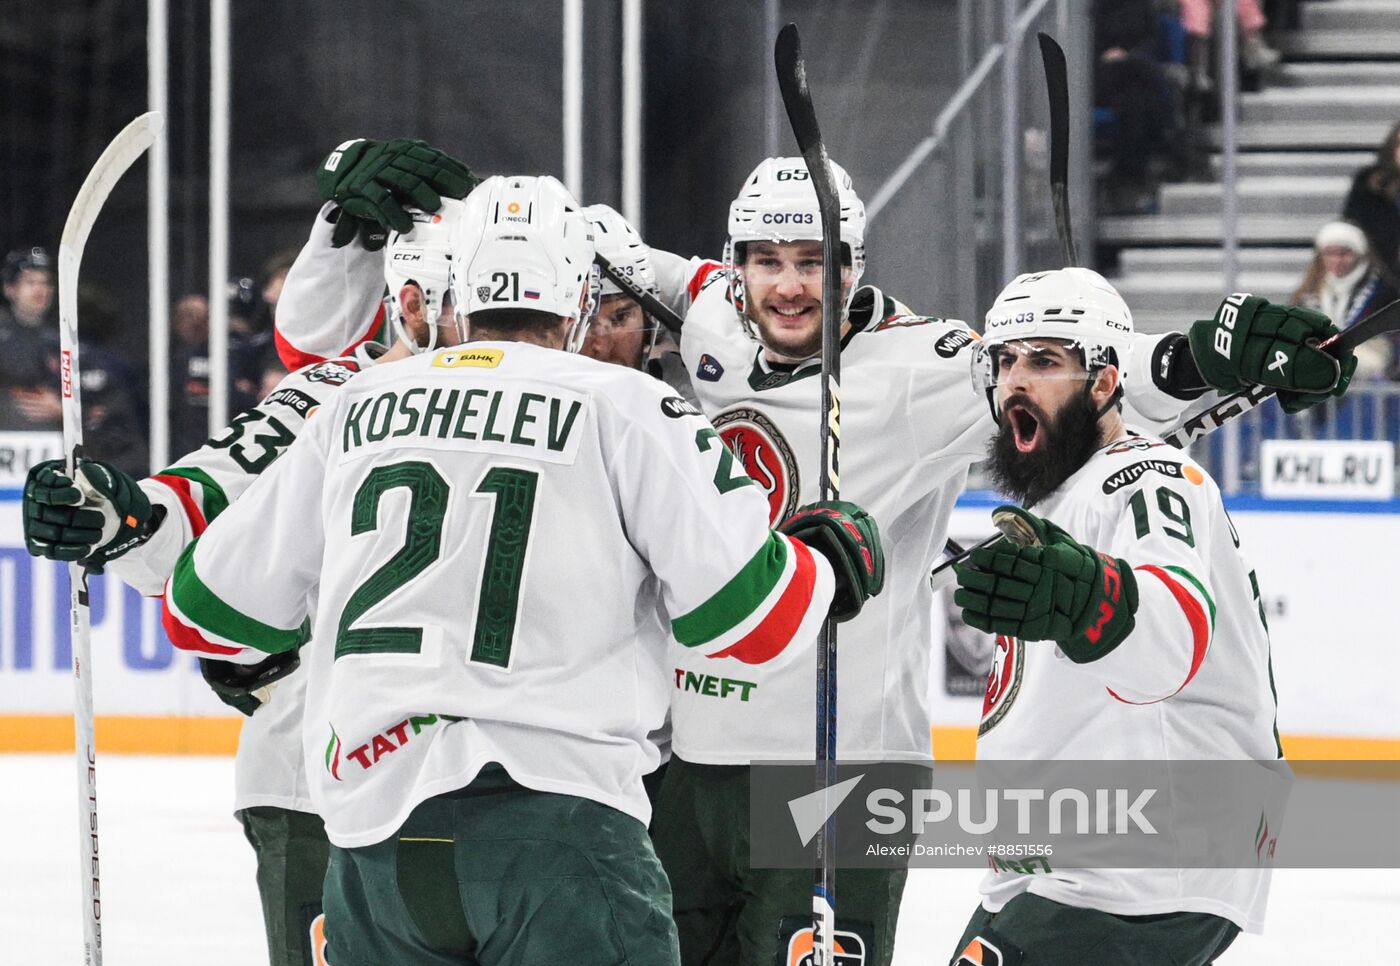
(1198, 17)
(113, 411)
(1135, 104)
(1344, 283)
(1374, 204)
(189, 374)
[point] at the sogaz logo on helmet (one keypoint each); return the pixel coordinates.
(788, 218)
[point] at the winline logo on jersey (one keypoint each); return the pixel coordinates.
(1033, 817)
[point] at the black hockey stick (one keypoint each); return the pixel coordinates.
(792, 81)
(1057, 87)
(653, 305)
(1384, 320)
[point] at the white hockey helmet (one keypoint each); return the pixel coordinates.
(779, 204)
(422, 256)
(1073, 305)
(618, 242)
(523, 243)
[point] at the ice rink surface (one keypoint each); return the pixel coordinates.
(177, 880)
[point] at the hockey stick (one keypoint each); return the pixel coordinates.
(797, 99)
(1057, 87)
(650, 303)
(129, 144)
(1384, 320)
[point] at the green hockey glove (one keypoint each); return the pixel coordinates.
(1251, 342)
(373, 181)
(1056, 590)
(94, 519)
(247, 687)
(848, 538)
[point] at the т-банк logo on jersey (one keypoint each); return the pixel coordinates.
(765, 455)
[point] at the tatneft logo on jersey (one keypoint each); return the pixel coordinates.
(474, 358)
(367, 755)
(1003, 681)
(848, 946)
(712, 686)
(766, 456)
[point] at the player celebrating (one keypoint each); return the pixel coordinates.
(1140, 583)
(480, 692)
(911, 432)
(140, 530)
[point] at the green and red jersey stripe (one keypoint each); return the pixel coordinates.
(1201, 624)
(780, 624)
(294, 358)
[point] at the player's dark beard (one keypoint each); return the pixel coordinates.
(1068, 441)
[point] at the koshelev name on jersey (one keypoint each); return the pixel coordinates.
(766, 456)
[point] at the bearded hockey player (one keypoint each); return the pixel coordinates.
(911, 429)
(138, 531)
(487, 530)
(1131, 629)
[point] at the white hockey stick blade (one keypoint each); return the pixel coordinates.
(129, 144)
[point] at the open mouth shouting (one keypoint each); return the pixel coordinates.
(1026, 424)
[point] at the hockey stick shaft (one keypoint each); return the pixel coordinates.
(129, 144)
(1384, 320)
(1057, 88)
(802, 116)
(650, 303)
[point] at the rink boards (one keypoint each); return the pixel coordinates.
(1327, 573)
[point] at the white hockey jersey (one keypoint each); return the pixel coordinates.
(268, 770)
(911, 427)
(1191, 682)
(491, 530)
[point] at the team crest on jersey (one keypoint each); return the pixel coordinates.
(766, 457)
(1136, 444)
(900, 321)
(1003, 682)
(796, 933)
(332, 373)
(709, 369)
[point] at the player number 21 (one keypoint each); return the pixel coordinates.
(512, 493)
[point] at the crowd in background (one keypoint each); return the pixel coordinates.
(114, 385)
(1156, 88)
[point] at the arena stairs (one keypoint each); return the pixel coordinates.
(1322, 114)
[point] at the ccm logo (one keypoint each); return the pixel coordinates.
(1229, 313)
(786, 218)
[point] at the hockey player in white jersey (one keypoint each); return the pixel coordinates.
(138, 531)
(1130, 629)
(487, 527)
(911, 429)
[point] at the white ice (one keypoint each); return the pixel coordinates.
(177, 879)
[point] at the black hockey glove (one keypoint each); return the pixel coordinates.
(848, 538)
(96, 518)
(1251, 342)
(373, 181)
(247, 687)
